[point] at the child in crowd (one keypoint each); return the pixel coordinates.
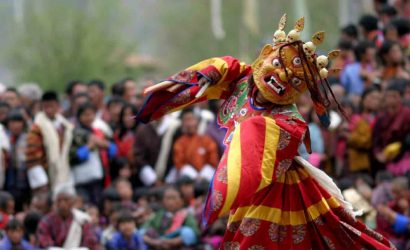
(127, 237)
(172, 227)
(93, 212)
(111, 228)
(14, 237)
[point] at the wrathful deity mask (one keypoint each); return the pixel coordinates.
(288, 67)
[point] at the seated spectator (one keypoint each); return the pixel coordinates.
(41, 203)
(90, 156)
(194, 155)
(6, 208)
(124, 190)
(111, 228)
(94, 214)
(393, 218)
(382, 192)
(186, 186)
(66, 227)
(109, 198)
(172, 227)
(14, 237)
(127, 237)
(31, 222)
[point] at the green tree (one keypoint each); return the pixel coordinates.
(61, 40)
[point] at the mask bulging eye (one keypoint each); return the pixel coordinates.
(276, 63)
(296, 81)
(296, 61)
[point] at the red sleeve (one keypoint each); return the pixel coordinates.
(224, 71)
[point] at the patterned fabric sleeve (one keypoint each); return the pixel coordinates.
(89, 239)
(35, 152)
(222, 72)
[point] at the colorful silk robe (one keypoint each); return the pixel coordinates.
(272, 201)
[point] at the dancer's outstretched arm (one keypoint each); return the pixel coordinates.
(213, 78)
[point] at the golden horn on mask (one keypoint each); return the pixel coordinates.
(280, 35)
(294, 34)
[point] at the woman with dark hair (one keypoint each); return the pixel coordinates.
(125, 134)
(90, 155)
(392, 58)
(359, 139)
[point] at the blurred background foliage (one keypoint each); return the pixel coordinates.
(53, 41)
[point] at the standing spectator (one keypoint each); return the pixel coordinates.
(369, 27)
(146, 150)
(16, 172)
(4, 148)
(66, 227)
(127, 237)
(392, 58)
(90, 155)
(402, 27)
(173, 226)
(78, 100)
(345, 58)
(30, 95)
(112, 116)
(96, 91)
(361, 74)
(11, 97)
(392, 127)
(317, 142)
(359, 139)
(4, 110)
(349, 34)
(130, 90)
(124, 137)
(14, 237)
(387, 13)
(73, 88)
(48, 145)
(194, 155)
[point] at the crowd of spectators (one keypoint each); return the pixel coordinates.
(77, 171)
